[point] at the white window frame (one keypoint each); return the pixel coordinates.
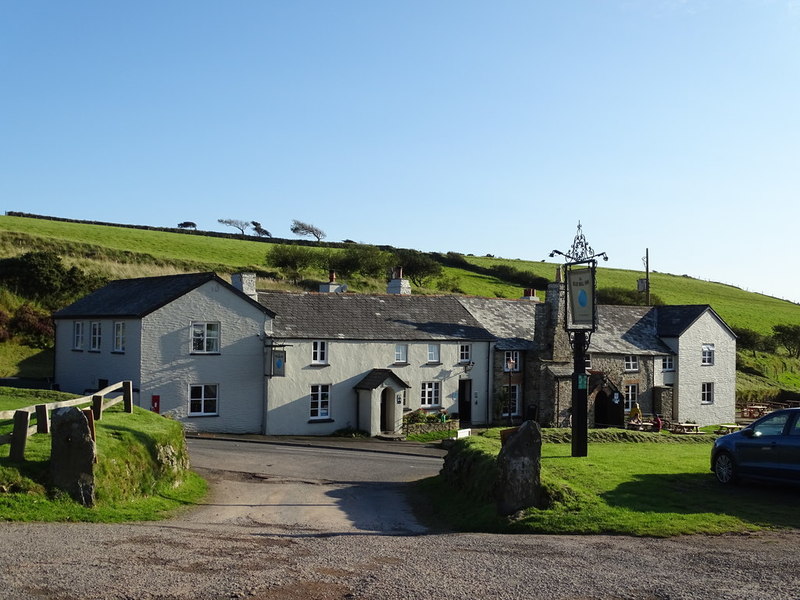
(119, 336)
(430, 394)
(707, 355)
(78, 333)
(95, 336)
(434, 354)
(707, 392)
(401, 354)
(631, 363)
(206, 337)
(464, 353)
(320, 405)
(509, 356)
(513, 400)
(668, 363)
(631, 395)
(204, 397)
(319, 352)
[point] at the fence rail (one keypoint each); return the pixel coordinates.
(22, 416)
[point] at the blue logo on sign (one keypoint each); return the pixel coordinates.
(583, 299)
(279, 363)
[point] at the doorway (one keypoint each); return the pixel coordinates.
(465, 401)
(609, 410)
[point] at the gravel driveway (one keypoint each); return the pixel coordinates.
(250, 552)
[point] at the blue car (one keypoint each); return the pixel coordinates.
(767, 449)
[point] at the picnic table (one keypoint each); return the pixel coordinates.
(754, 411)
(725, 429)
(686, 428)
(643, 426)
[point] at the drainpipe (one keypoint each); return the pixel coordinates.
(489, 380)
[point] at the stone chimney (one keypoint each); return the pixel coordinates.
(398, 285)
(246, 283)
(332, 287)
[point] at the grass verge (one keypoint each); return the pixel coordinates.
(142, 470)
(632, 488)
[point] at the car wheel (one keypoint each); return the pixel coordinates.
(725, 468)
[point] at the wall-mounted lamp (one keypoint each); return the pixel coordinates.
(468, 366)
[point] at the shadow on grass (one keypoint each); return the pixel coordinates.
(762, 504)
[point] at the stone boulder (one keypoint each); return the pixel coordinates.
(519, 464)
(72, 454)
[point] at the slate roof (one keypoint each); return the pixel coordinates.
(512, 322)
(371, 317)
(674, 320)
(376, 377)
(135, 298)
(627, 330)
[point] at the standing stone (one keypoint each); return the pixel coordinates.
(519, 464)
(72, 455)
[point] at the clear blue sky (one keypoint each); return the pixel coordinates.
(478, 127)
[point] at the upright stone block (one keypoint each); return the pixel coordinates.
(72, 454)
(519, 464)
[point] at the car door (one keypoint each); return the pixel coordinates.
(789, 450)
(759, 454)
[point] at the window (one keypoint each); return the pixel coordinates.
(511, 404)
(319, 352)
(203, 399)
(707, 393)
(320, 401)
(205, 337)
(77, 335)
(511, 361)
(464, 353)
(631, 363)
(631, 395)
(708, 355)
(772, 425)
(433, 353)
(96, 335)
(667, 363)
(119, 336)
(401, 353)
(430, 393)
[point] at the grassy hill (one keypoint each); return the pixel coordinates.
(124, 251)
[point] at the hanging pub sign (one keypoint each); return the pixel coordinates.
(580, 299)
(278, 363)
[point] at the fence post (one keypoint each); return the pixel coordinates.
(127, 396)
(22, 419)
(97, 407)
(42, 419)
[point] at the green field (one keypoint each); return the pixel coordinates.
(132, 481)
(632, 488)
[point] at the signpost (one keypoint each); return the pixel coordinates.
(580, 322)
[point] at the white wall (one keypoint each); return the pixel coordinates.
(169, 367)
(691, 373)
(348, 362)
(78, 370)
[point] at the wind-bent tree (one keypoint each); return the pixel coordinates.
(260, 231)
(237, 223)
(304, 229)
(788, 336)
(187, 225)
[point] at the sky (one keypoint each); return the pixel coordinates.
(668, 126)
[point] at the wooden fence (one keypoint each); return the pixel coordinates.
(22, 417)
